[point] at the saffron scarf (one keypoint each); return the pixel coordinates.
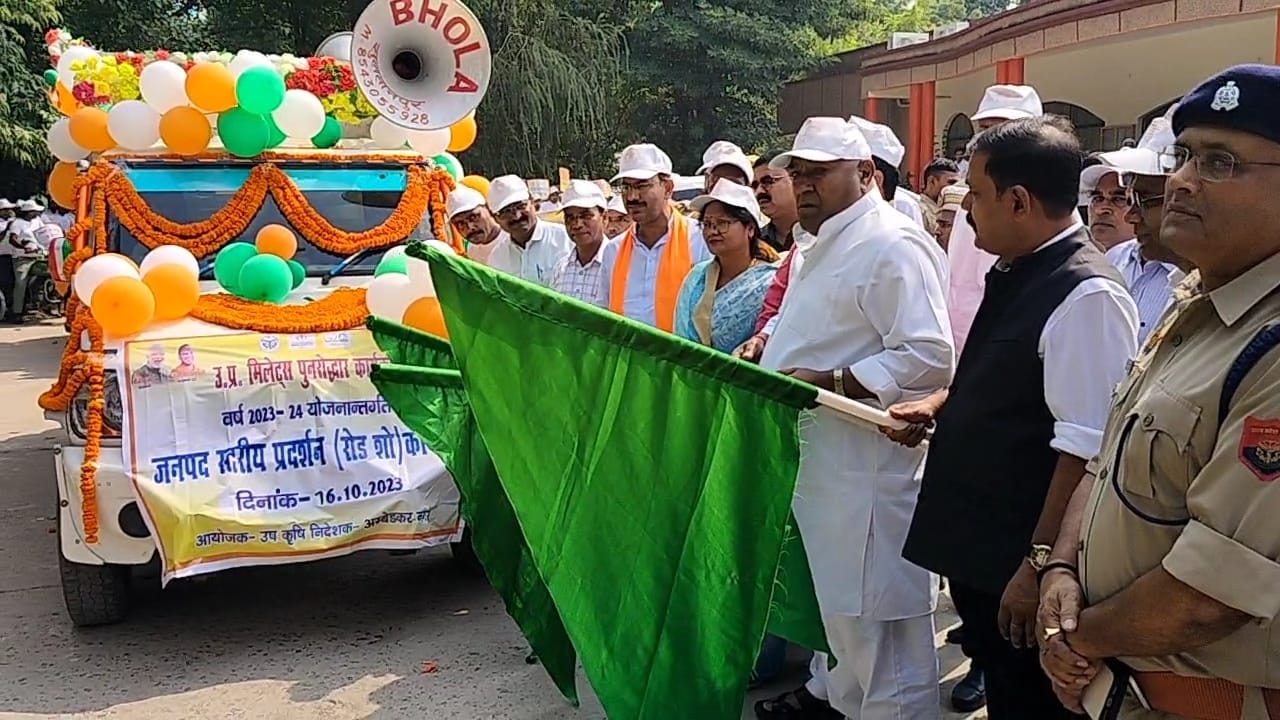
(677, 259)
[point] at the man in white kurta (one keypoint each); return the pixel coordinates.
(864, 315)
(528, 246)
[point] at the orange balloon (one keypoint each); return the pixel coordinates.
(211, 87)
(462, 134)
(425, 314)
(89, 129)
(185, 130)
(175, 289)
(123, 306)
(277, 240)
(62, 99)
(479, 183)
(62, 184)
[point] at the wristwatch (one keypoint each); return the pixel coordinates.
(1039, 556)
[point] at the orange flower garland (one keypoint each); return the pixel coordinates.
(343, 309)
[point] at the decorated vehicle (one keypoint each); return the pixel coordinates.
(239, 217)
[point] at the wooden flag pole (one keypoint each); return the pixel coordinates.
(859, 412)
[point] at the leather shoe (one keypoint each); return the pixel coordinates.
(970, 693)
(955, 636)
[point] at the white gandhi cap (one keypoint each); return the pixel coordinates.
(641, 162)
(1009, 102)
(825, 139)
(731, 193)
(462, 199)
(883, 141)
(723, 152)
(506, 190)
(583, 194)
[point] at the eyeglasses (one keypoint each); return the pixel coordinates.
(1115, 200)
(716, 226)
(626, 188)
(1212, 165)
(1144, 202)
(765, 182)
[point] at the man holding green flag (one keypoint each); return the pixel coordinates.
(864, 317)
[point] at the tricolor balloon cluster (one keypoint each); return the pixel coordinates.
(439, 145)
(245, 100)
(402, 291)
(264, 271)
(125, 297)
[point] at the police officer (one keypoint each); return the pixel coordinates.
(1167, 608)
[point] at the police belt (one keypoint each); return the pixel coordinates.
(1198, 698)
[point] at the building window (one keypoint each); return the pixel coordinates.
(959, 133)
(1089, 127)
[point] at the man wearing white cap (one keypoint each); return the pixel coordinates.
(616, 221)
(724, 161)
(527, 247)
(1107, 201)
(969, 265)
(1149, 269)
(22, 238)
(7, 251)
(472, 220)
(647, 266)
(580, 273)
(864, 316)
(887, 153)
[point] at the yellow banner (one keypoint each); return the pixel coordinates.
(252, 449)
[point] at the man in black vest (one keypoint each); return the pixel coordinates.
(1052, 337)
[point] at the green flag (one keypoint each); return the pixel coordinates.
(425, 390)
(652, 479)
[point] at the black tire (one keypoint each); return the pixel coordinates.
(465, 555)
(94, 594)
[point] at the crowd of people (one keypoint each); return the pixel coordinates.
(1084, 345)
(27, 230)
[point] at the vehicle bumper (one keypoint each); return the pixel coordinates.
(117, 507)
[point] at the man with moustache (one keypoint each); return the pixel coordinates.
(1052, 337)
(648, 264)
(527, 247)
(616, 222)
(724, 161)
(864, 317)
(472, 220)
(1166, 568)
(580, 273)
(1108, 202)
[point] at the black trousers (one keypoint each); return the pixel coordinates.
(7, 282)
(1017, 689)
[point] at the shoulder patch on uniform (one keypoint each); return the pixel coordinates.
(1260, 447)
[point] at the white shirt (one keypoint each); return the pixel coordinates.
(47, 232)
(867, 294)
(23, 232)
(641, 302)
(908, 203)
(1150, 284)
(1086, 345)
(584, 282)
(535, 260)
(62, 220)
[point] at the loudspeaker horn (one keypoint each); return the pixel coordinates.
(423, 64)
(336, 46)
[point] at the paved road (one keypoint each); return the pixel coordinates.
(333, 640)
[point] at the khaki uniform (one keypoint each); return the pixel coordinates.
(929, 211)
(1177, 488)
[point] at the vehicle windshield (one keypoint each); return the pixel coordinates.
(353, 198)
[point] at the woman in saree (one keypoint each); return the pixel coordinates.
(722, 297)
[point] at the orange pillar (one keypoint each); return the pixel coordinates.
(1015, 71)
(1002, 73)
(928, 112)
(871, 109)
(914, 120)
(1278, 37)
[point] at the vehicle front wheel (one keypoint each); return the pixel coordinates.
(95, 594)
(465, 555)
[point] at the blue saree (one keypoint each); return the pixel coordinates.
(724, 318)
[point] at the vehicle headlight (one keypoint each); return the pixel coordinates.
(112, 416)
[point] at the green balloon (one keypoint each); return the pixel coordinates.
(226, 268)
(299, 273)
(392, 264)
(275, 136)
(266, 278)
(50, 77)
(260, 90)
(329, 135)
(450, 164)
(243, 133)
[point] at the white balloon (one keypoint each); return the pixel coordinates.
(300, 116)
(389, 295)
(170, 255)
(73, 55)
(395, 252)
(442, 246)
(60, 143)
(420, 278)
(134, 124)
(430, 142)
(387, 135)
(163, 85)
(95, 270)
(246, 59)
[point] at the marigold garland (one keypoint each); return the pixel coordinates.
(343, 309)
